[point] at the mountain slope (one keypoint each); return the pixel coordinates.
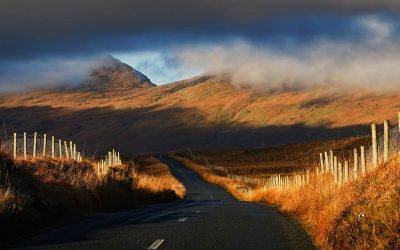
(204, 112)
(116, 75)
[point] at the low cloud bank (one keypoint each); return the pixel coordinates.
(370, 62)
(47, 73)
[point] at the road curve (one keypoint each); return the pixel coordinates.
(210, 218)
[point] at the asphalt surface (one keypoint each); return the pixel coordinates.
(210, 218)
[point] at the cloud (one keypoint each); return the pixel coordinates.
(50, 72)
(43, 27)
(372, 62)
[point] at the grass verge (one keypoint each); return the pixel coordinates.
(363, 214)
(43, 192)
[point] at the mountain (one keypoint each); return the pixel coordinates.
(205, 112)
(116, 75)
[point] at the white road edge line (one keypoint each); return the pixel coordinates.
(183, 219)
(156, 244)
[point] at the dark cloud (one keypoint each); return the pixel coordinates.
(35, 27)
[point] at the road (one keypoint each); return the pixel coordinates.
(210, 218)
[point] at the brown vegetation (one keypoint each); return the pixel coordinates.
(362, 214)
(203, 112)
(262, 162)
(36, 193)
(155, 176)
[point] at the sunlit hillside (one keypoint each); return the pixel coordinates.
(203, 112)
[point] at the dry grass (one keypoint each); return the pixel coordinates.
(262, 162)
(10, 201)
(44, 191)
(361, 215)
(156, 177)
(194, 110)
(214, 177)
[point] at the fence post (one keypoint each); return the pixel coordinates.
(74, 151)
(24, 145)
(386, 141)
(363, 167)
(335, 169)
(113, 157)
(60, 148)
(15, 146)
(66, 150)
(374, 146)
(71, 153)
(34, 145)
(52, 147)
(398, 119)
(44, 145)
(340, 173)
(331, 161)
(355, 163)
(346, 171)
(326, 162)
(322, 162)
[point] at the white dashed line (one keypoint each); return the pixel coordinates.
(197, 211)
(183, 219)
(156, 244)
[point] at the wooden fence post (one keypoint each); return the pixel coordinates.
(113, 157)
(44, 145)
(374, 146)
(326, 162)
(363, 167)
(52, 147)
(331, 161)
(34, 145)
(15, 146)
(74, 151)
(335, 169)
(71, 152)
(346, 171)
(398, 120)
(340, 172)
(66, 150)
(322, 162)
(60, 148)
(355, 168)
(386, 141)
(24, 145)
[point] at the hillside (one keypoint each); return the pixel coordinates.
(204, 112)
(116, 76)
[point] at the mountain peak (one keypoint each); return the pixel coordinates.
(116, 75)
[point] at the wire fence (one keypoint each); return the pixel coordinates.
(385, 143)
(24, 146)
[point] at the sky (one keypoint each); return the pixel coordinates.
(289, 44)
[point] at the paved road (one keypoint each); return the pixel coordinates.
(210, 218)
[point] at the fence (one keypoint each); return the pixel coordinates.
(34, 146)
(340, 169)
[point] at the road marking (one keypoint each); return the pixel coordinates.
(197, 211)
(156, 244)
(183, 219)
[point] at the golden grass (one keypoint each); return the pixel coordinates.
(214, 177)
(10, 201)
(363, 214)
(45, 191)
(156, 177)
